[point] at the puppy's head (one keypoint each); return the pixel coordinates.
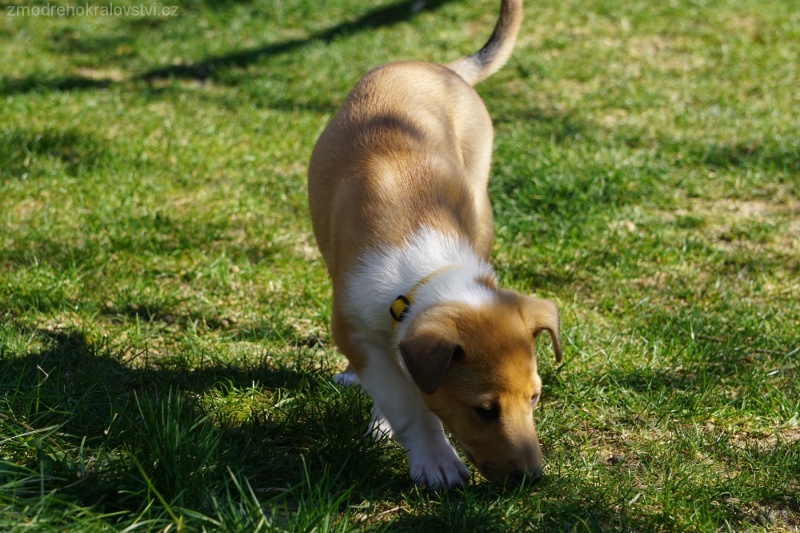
(477, 370)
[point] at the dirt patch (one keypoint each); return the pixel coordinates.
(755, 208)
(102, 74)
(764, 441)
(751, 225)
(741, 208)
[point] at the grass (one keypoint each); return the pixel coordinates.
(165, 358)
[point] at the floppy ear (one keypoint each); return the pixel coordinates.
(542, 315)
(427, 357)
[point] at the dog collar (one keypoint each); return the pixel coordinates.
(399, 308)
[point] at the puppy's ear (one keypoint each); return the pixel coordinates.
(427, 357)
(542, 315)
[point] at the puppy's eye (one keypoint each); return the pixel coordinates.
(488, 412)
(534, 400)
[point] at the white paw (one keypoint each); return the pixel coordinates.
(438, 468)
(348, 378)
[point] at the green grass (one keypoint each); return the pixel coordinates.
(165, 357)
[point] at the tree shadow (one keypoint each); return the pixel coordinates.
(38, 82)
(68, 42)
(555, 126)
(95, 399)
(733, 155)
(376, 18)
(206, 68)
(73, 150)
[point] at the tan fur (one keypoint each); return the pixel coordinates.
(411, 147)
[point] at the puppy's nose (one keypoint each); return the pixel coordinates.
(536, 474)
(523, 475)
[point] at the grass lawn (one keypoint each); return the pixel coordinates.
(165, 357)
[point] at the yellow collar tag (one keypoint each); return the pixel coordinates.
(399, 308)
(402, 303)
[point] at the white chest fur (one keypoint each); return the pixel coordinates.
(450, 264)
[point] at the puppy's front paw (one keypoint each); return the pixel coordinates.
(441, 469)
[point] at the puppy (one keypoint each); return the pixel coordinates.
(397, 193)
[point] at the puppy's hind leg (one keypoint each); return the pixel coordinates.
(347, 377)
(379, 427)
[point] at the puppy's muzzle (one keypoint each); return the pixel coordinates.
(524, 476)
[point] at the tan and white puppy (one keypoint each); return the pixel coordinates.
(397, 191)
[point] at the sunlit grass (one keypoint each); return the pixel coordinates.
(165, 357)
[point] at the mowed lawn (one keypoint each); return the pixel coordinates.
(165, 355)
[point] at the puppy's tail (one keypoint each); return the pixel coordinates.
(488, 60)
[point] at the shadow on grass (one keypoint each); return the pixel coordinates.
(304, 427)
(555, 126)
(22, 150)
(206, 68)
(38, 82)
(290, 424)
(293, 422)
(742, 155)
(69, 42)
(379, 17)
